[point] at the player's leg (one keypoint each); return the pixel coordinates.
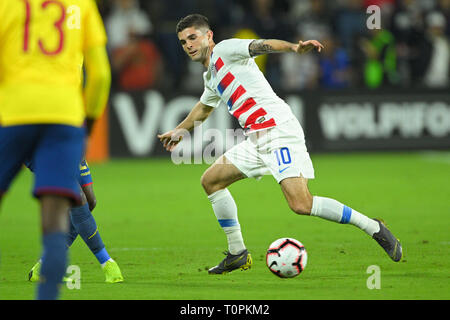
(300, 200)
(236, 164)
(82, 222)
(72, 233)
(110, 267)
(54, 223)
(56, 164)
(220, 175)
(34, 274)
(86, 226)
(290, 164)
(215, 181)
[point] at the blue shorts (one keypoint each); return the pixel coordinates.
(84, 177)
(55, 152)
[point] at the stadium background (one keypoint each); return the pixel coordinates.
(375, 107)
(380, 89)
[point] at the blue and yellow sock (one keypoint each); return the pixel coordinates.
(86, 227)
(72, 235)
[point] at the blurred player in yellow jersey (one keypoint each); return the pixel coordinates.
(43, 106)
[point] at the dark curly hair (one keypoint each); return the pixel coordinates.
(193, 20)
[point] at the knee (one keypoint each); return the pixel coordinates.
(211, 182)
(208, 183)
(301, 206)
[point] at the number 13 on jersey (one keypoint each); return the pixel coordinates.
(73, 15)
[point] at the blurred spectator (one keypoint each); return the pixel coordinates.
(350, 23)
(380, 63)
(407, 26)
(299, 72)
(125, 21)
(406, 51)
(312, 18)
(267, 19)
(437, 69)
(444, 7)
(135, 59)
(166, 16)
(334, 62)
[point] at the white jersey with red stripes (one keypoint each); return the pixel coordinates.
(234, 79)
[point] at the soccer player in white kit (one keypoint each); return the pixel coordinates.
(275, 142)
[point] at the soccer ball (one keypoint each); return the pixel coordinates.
(286, 257)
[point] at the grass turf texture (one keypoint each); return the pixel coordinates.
(158, 225)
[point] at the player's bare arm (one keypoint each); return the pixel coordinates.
(265, 46)
(198, 114)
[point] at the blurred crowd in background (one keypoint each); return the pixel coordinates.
(411, 50)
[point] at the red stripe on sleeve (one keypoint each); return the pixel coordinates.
(219, 64)
(225, 82)
(255, 115)
(236, 95)
(244, 108)
(266, 124)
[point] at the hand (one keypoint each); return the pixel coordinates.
(305, 46)
(171, 138)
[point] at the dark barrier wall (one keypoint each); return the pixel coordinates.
(378, 121)
(332, 121)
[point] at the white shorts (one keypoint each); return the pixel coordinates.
(279, 151)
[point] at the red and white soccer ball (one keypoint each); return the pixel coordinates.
(286, 257)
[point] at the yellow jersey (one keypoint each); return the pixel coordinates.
(42, 48)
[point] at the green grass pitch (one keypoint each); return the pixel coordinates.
(158, 224)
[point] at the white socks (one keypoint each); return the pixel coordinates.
(333, 210)
(226, 213)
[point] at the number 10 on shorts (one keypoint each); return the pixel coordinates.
(283, 156)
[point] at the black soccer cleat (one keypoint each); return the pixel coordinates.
(233, 262)
(388, 242)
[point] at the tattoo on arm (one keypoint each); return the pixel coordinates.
(258, 47)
